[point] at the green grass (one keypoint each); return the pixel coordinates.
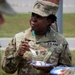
(73, 57)
(20, 22)
(69, 25)
(3, 73)
(14, 24)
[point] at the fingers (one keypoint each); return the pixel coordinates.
(64, 71)
(24, 46)
(21, 52)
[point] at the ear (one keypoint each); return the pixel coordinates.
(49, 22)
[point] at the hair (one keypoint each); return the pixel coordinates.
(52, 17)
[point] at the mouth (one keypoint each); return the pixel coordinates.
(33, 24)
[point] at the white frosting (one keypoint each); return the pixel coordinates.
(40, 63)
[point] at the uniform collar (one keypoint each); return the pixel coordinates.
(48, 30)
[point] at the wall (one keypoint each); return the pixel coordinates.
(24, 6)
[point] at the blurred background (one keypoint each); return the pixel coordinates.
(25, 6)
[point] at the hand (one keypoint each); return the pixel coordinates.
(64, 71)
(24, 46)
(46, 69)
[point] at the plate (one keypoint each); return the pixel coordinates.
(57, 70)
(73, 68)
(41, 64)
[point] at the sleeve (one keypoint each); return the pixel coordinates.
(65, 56)
(54, 57)
(11, 58)
(69, 72)
(61, 55)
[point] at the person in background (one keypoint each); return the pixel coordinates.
(5, 8)
(49, 45)
(54, 1)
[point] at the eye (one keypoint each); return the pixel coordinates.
(37, 16)
(40, 17)
(33, 15)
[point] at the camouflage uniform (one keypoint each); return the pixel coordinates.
(70, 72)
(52, 48)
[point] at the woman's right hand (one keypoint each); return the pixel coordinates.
(24, 46)
(65, 71)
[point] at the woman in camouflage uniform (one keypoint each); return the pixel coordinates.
(49, 45)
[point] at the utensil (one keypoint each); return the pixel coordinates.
(33, 52)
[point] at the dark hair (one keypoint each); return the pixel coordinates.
(52, 17)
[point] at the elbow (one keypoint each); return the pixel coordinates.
(8, 70)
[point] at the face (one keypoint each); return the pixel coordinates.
(1, 19)
(38, 23)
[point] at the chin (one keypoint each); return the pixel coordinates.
(34, 28)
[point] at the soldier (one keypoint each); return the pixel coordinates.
(49, 45)
(5, 9)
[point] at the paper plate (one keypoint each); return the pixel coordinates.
(41, 65)
(57, 70)
(73, 68)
